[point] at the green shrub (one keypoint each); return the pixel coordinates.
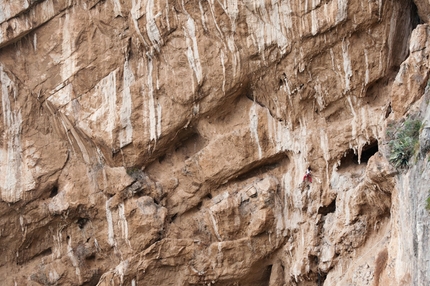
(404, 143)
(428, 204)
(132, 171)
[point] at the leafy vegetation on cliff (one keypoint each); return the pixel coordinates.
(428, 203)
(404, 141)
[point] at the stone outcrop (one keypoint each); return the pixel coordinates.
(165, 142)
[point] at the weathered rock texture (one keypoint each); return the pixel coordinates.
(165, 142)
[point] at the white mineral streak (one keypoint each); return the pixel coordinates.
(53, 276)
(325, 149)
(332, 57)
(68, 66)
(253, 127)
(35, 42)
(235, 54)
(48, 9)
(58, 245)
(123, 223)
(285, 13)
(346, 65)
(342, 10)
(192, 49)
(232, 12)
(366, 61)
(255, 27)
(314, 21)
(136, 14)
(70, 129)
(354, 119)
(404, 246)
(265, 25)
(319, 95)
(14, 173)
(21, 223)
(96, 245)
(151, 26)
(211, 6)
(73, 259)
(62, 97)
(117, 8)
(106, 112)
(379, 9)
(214, 225)
(220, 255)
(13, 23)
(358, 122)
(8, 11)
(277, 30)
(223, 70)
(279, 215)
(120, 270)
(167, 15)
(286, 181)
(283, 137)
(111, 236)
(151, 105)
(315, 3)
(126, 132)
(203, 16)
(159, 120)
(5, 11)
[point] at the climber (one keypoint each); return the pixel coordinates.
(307, 175)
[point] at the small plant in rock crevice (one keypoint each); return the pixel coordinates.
(428, 202)
(404, 142)
(132, 171)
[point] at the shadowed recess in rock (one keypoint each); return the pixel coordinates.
(351, 157)
(330, 208)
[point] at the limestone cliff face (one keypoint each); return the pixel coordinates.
(165, 142)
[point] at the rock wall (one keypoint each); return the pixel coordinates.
(165, 142)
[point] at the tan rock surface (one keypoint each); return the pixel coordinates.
(165, 142)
